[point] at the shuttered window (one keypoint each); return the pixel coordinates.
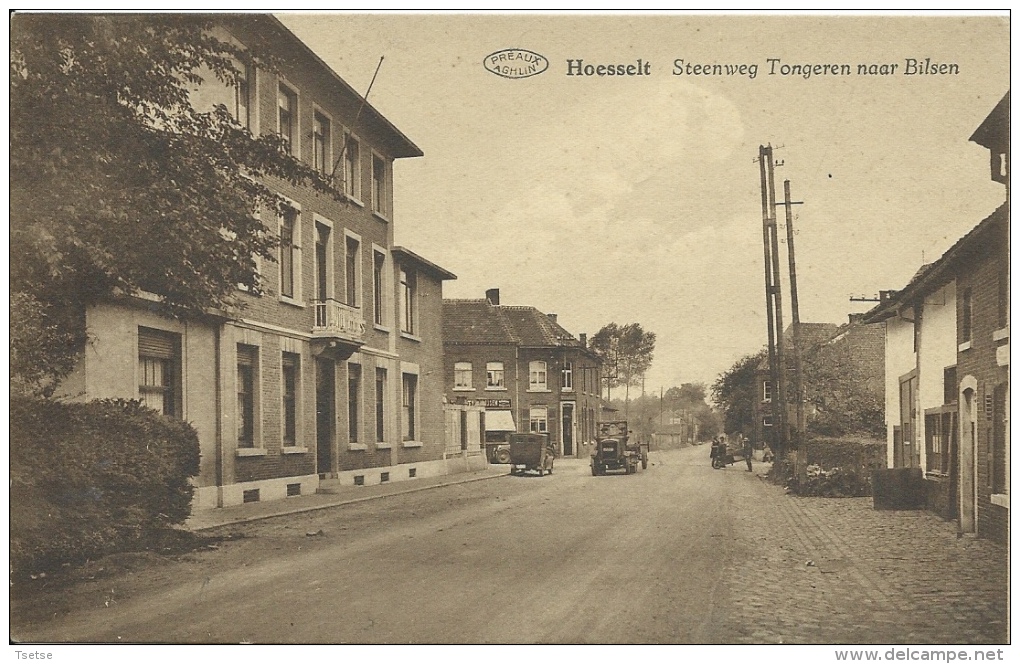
(159, 370)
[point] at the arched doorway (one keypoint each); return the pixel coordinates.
(968, 455)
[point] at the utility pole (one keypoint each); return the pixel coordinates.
(798, 379)
(774, 298)
(772, 439)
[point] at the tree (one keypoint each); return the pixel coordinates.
(626, 354)
(735, 391)
(119, 185)
(841, 393)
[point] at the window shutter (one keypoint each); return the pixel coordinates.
(156, 344)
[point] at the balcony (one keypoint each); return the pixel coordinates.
(339, 329)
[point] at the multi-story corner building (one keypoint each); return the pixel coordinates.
(947, 364)
(335, 373)
(528, 372)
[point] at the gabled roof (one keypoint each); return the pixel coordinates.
(479, 322)
(932, 277)
(475, 322)
(406, 256)
(994, 131)
(534, 328)
(401, 145)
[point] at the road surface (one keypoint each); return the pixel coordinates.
(566, 558)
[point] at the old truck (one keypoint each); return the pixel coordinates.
(615, 451)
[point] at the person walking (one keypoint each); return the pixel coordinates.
(748, 450)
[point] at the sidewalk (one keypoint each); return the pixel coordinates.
(224, 516)
(835, 570)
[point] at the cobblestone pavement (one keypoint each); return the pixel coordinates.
(835, 570)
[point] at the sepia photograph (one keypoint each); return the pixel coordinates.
(483, 328)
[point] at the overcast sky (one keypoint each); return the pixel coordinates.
(636, 199)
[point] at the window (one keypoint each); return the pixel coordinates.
(1000, 425)
(410, 394)
(353, 400)
(352, 260)
(291, 364)
(235, 96)
(537, 376)
(380, 403)
(462, 376)
(242, 95)
(288, 250)
(247, 380)
(766, 390)
(966, 313)
(940, 434)
(408, 288)
(949, 385)
(379, 185)
(159, 371)
(538, 416)
(494, 376)
(322, 262)
(378, 263)
(321, 138)
(352, 168)
(287, 103)
(567, 377)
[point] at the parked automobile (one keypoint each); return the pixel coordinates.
(531, 451)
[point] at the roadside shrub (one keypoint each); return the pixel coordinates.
(831, 483)
(838, 467)
(89, 479)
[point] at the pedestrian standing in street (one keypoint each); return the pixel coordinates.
(748, 450)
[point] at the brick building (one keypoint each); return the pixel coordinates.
(841, 363)
(334, 374)
(947, 356)
(528, 372)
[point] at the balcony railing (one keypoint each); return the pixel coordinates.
(336, 319)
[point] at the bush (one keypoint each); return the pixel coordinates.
(831, 483)
(89, 479)
(838, 467)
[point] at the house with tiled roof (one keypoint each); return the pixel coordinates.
(524, 368)
(947, 364)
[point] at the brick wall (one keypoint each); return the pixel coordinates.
(981, 278)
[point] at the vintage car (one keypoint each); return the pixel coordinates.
(531, 451)
(614, 451)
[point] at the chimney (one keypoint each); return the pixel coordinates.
(856, 318)
(584, 339)
(552, 317)
(492, 296)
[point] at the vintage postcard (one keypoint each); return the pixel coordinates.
(633, 328)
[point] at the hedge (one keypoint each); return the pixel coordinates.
(89, 479)
(837, 467)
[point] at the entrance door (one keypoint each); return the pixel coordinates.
(968, 461)
(325, 407)
(568, 429)
(910, 455)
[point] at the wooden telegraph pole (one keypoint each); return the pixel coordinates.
(798, 380)
(773, 299)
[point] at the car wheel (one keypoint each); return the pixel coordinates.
(502, 456)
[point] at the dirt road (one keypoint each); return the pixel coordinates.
(567, 558)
